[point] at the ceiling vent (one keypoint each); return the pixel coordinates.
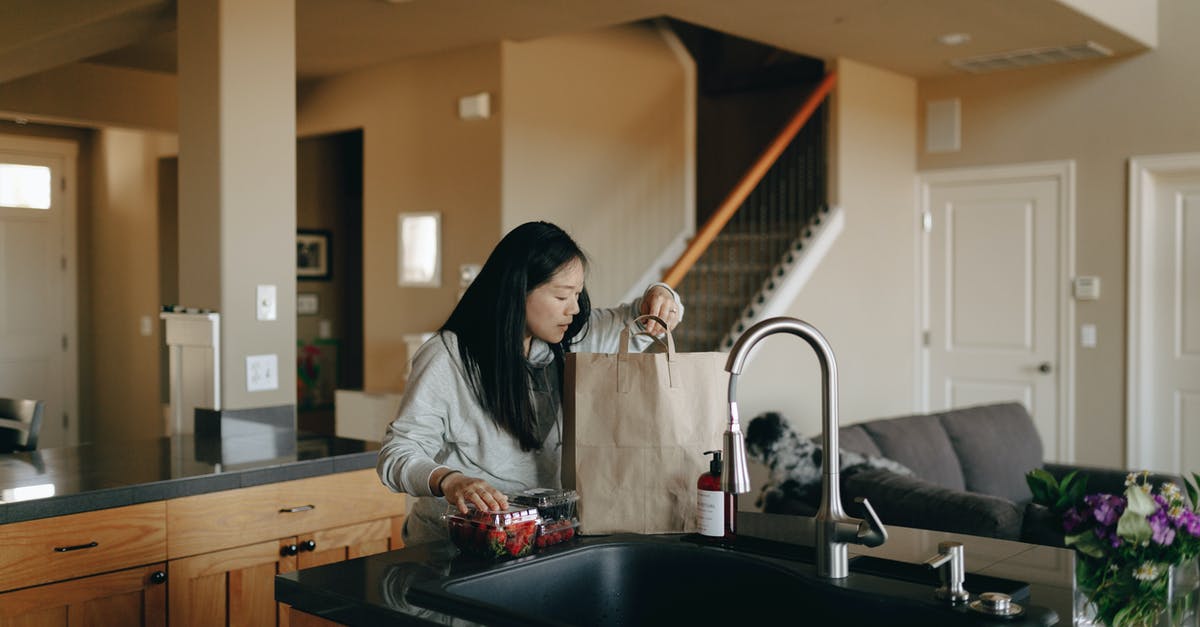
(1029, 57)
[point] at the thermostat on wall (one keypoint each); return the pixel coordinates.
(1087, 288)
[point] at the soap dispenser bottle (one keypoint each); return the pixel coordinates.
(716, 509)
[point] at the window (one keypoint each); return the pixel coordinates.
(24, 186)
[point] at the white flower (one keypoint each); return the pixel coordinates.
(1130, 479)
(1148, 571)
(1170, 491)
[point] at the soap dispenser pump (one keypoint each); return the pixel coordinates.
(716, 509)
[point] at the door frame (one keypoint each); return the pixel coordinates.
(1140, 311)
(1063, 172)
(68, 152)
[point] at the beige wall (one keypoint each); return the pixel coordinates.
(99, 95)
(417, 156)
(123, 270)
(1098, 114)
(595, 140)
(863, 295)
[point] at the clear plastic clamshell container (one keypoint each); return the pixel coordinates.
(556, 509)
(495, 534)
(551, 504)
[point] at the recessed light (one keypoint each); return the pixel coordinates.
(954, 39)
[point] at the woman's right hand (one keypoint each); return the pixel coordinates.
(459, 489)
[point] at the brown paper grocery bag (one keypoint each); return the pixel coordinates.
(636, 426)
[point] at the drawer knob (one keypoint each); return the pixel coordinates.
(309, 545)
(76, 547)
(289, 549)
(294, 510)
(158, 576)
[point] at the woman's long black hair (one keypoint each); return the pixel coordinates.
(490, 323)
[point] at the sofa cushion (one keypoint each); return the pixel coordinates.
(996, 445)
(920, 443)
(911, 502)
(855, 438)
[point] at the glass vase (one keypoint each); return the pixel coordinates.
(1178, 609)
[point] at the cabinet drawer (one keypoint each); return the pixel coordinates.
(64, 547)
(220, 520)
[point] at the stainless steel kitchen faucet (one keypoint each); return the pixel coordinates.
(834, 529)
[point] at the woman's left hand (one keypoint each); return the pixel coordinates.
(660, 302)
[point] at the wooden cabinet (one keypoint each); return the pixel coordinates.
(42, 551)
(237, 586)
(209, 559)
(134, 596)
(225, 548)
(94, 568)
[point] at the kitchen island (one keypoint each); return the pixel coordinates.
(181, 527)
(377, 590)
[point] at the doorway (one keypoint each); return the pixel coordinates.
(1163, 413)
(329, 321)
(997, 257)
(38, 281)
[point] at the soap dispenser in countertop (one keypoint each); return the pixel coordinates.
(716, 509)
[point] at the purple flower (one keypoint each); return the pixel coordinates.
(1190, 522)
(1108, 535)
(1160, 526)
(1106, 508)
(1075, 518)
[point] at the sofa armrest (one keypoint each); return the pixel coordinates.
(907, 501)
(1109, 480)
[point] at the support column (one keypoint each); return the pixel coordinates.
(237, 183)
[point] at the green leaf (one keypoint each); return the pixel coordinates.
(1075, 485)
(1085, 542)
(1044, 487)
(1193, 490)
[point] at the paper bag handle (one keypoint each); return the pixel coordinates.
(623, 352)
(629, 331)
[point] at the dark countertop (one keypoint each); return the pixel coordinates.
(374, 590)
(69, 480)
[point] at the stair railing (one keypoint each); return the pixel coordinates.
(749, 181)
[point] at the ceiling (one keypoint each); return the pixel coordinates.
(335, 36)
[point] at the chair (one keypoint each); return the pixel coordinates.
(20, 421)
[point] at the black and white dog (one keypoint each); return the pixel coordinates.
(794, 462)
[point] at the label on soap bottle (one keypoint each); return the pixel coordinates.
(710, 510)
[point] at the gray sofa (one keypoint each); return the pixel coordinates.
(968, 466)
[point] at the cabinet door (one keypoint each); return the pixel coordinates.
(135, 596)
(230, 587)
(342, 543)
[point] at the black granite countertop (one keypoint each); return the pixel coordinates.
(69, 480)
(375, 590)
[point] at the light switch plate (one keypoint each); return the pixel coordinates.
(262, 372)
(1087, 288)
(264, 302)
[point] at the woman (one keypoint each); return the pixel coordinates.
(482, 410)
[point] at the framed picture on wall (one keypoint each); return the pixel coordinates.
(313, 259)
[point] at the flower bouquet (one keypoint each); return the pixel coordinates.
(1135, 552)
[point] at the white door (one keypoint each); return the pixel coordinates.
(993, 281)
(1164, 324)
(37, 303)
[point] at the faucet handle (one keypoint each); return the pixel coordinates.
(871, 531)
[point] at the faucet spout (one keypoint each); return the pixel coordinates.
(834, 528)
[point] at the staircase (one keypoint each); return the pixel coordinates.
(758, 225)
(755, 238)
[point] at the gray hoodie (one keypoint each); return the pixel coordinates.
(441, 424)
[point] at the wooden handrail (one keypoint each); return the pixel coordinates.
(718, 220)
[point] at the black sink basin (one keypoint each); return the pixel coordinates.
(648, 580)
